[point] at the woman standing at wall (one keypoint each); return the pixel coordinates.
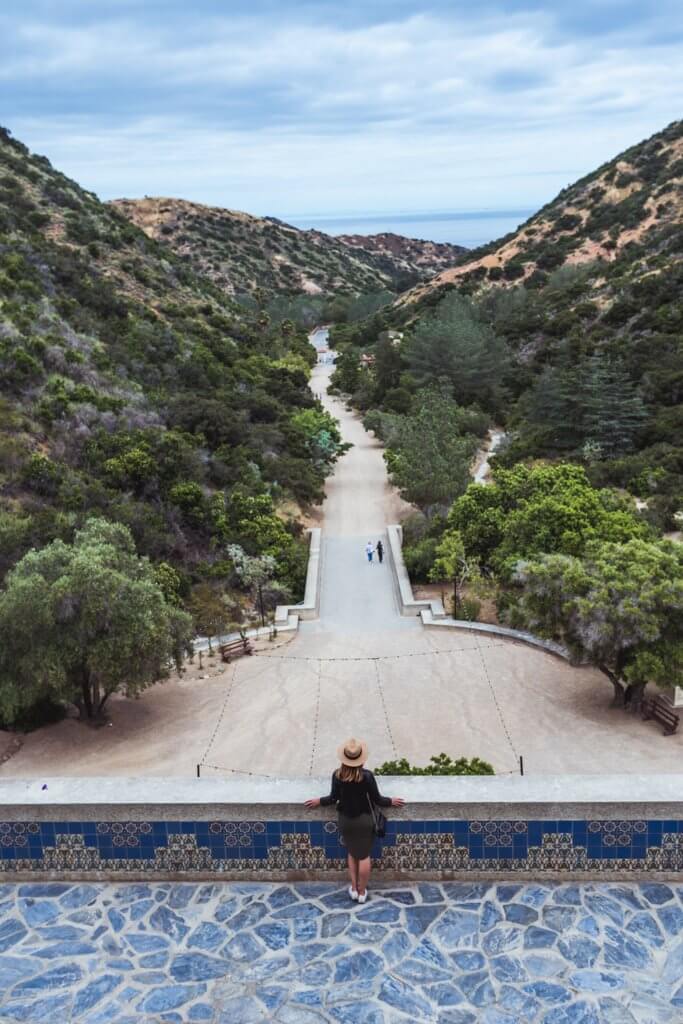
(354, 791)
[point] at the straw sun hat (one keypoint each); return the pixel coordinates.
(353, 752)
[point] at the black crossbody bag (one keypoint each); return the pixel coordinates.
(379, 819)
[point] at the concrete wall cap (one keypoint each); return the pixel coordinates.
(446, 793)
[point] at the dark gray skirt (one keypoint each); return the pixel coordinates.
(358, 834)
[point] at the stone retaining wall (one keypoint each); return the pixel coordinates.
(564, 827)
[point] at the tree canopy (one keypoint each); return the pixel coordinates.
(430, 451)
(543, 508)
(619, 607)
(81, 621)
(455, 344)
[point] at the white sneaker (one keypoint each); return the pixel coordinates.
(353, 894)
(362, 897)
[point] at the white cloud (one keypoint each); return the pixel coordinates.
(285, 114)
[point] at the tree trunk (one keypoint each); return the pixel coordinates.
(85, 703)
(455, 599)
(619, 699)
(260, 601)
(100, 706)
(633, 698)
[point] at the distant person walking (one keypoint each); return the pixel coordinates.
(369, 551)
(353, 790)
(380, 551)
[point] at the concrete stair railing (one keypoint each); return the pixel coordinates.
(287, 616)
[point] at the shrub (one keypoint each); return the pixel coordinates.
(513, 269)
(439, 764)
(42, 474)
(23, 369)
(419, 558)
(567, 222)
(469, 609)
(373, 421)
(133, 468)
(189, 497)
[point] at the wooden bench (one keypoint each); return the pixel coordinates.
(235, 649)
(661, 712)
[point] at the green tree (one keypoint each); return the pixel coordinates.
(209, 610)
(613, 408)
(347, 373)
(619, 607)
(251, 520)
(388, 366)
(593, 404)
(543, 508)
(454, 344)
(428, 455)
(453, 565)
(169, 582)
(320, 434)
(189, 498)
(257, 575)
(84, 620)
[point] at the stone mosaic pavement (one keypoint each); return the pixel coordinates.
(456, 953)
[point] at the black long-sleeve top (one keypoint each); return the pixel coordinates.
(351, 798)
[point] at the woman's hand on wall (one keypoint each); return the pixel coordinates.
(313, 802)
(397, 801)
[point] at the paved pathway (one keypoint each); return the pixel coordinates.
(466, 953)
(355, 596)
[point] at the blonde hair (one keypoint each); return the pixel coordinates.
(345, 773)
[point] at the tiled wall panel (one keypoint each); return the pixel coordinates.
(264, 849)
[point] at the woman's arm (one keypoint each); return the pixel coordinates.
(331, 798)
(376, 796)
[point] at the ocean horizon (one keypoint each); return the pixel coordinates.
(469, 228)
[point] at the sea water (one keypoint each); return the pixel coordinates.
(471, 228)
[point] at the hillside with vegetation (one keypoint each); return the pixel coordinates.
(568, 335)
(136, 391)
(629, 209)
(570, 330)
(243, 254)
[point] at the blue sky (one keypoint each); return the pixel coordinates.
(294, 108)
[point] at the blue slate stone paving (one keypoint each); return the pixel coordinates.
(232, 953)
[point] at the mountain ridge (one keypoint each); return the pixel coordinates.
(625, 201)
(241, 252)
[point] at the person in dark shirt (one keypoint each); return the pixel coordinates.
(380, 551)
(353, 789)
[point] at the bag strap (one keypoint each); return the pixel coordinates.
(372, 809)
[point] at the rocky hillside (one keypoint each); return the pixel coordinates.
(630, 209)
(241, 253)
(134, 388)
(412, 255)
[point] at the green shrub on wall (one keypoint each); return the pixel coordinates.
(439, 764)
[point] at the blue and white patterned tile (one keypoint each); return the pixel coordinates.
(453, 953)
